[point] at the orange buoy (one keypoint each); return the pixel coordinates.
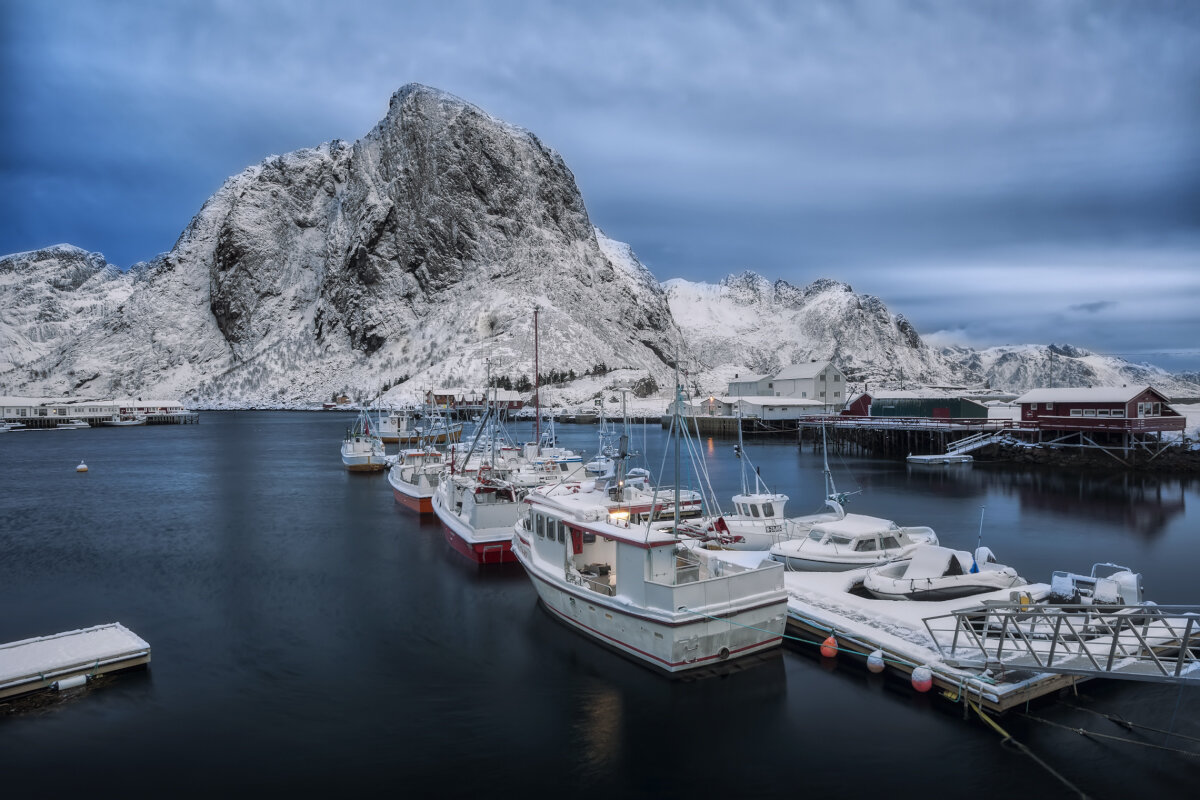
(922, 679)
(875, 662)
(829, 647)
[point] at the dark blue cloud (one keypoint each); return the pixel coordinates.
(872, 142)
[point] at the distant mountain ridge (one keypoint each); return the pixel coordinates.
(415, 255)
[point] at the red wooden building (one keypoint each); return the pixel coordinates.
(1101, 409)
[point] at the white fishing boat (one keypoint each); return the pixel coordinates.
(397, 427)
(362, 449)
(72, 425)
(415, 477)
(853, 542)
(636, 588)
(932, 572)
(124, 420)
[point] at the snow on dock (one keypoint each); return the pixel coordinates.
(70, 658)
(821, 604)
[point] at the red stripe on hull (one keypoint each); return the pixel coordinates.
(421, 505)
(483, 553)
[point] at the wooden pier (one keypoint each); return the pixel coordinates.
(66, 660)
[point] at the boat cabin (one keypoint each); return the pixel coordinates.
(760, 506)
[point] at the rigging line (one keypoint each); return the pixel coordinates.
(1008, 738)
(1124, 723)
(1126, 740)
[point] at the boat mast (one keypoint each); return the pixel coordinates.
(537, 400)
(741, 448)
(677, 424)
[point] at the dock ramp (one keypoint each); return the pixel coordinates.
(1140, 642)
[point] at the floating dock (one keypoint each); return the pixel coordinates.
(69, 659)
(821, 604)
(949, 458)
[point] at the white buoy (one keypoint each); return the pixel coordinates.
(875, 661)
(74, 682)
(82, 467)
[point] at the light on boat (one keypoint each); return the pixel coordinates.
(622, 515)
(82, 467)
(875, 661)
(829, 647)
(922, 679)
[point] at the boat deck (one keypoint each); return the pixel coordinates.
(819, 604)
(33, 664)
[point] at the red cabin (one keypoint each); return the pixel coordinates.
(1102, 408)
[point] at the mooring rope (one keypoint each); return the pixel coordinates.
(1124, 723)
(1008, 739)
(1097, 735)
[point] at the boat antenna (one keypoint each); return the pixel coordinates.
(978, 542)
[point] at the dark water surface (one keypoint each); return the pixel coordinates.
(310, 635)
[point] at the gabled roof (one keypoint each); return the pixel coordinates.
(768, 400)
(1093, 394)
(801, 371)
(748, 378)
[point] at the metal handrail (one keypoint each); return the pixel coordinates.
(1138, 642)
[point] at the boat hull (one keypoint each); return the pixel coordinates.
(670, 645)
(369, 466)
(798, 564)
(421, 505)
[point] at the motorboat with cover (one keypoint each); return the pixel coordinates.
(362, 449)
(124, 420)
(931, 572)
(852, 542)
(633, 586)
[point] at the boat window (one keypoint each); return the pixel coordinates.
(754, 510)
(816, 536)
(559, 527)
(839, 541)
(541, 523)
(768, 511)
(890, 542)
(866, 545)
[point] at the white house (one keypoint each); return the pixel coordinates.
(819, 381)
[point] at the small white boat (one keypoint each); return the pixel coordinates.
(362, 450)
(72, 425)
(415, 477)
(124, 420)
(853, 542)
(939, 573)
(82, 467)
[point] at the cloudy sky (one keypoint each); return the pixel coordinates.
(998, 172)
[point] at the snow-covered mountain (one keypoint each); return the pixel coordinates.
(415, 255)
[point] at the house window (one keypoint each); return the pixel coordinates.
(1101, 412)
(1118, 412)
(837, 378)
(822, 376)
(1075, 412)
(1033, 406)
(1089, 412)
(822, 394)
(804, 394)
(1157, 410)
(1049, 406)
(837, 394)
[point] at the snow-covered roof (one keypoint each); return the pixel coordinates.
(1093, 394)
(768, 400)
(800, 371)
(853, 525)
(748, 378)
(918, 394)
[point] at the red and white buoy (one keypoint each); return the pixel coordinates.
(922, 679)
(829, 647)
(875, 661)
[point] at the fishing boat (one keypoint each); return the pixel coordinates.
(72, 425)
(362, 450)
(635, 587)
(396, 427)
(415, 477)
(124, 420)
(931, 572)
(853, 542)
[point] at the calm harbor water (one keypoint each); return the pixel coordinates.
(310, 635)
